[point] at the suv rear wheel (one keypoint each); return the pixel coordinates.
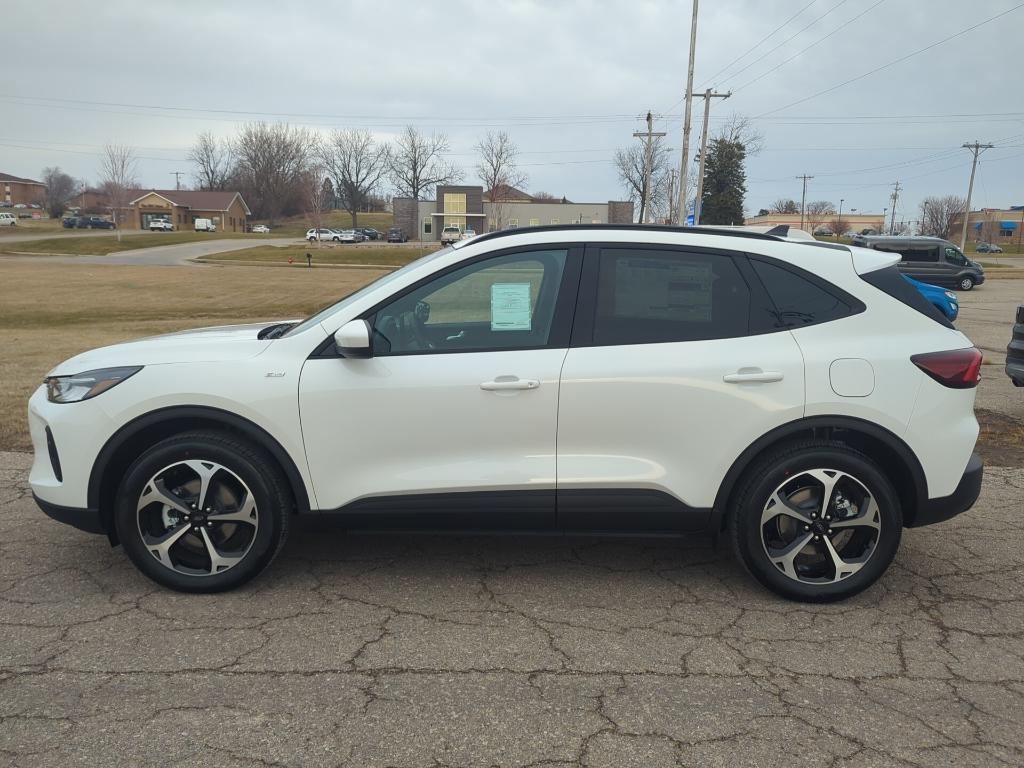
(202, 512)
(816, 522)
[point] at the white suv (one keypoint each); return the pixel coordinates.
(802, 399)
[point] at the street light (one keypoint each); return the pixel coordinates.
(839, 218)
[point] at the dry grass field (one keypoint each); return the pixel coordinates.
(325, 253)
(49, 312)
(100, 246)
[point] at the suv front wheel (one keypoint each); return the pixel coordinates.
(966, 283)
(202, 512)
(816, 522)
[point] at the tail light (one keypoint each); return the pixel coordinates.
(957, 368)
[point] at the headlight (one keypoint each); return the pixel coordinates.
(82, 386)
(950, 295)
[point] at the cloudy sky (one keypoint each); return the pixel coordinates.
(568, 80)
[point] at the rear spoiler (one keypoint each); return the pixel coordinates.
(779, 230)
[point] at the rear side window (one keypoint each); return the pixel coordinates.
(918, 254)
(797, 301)
(890, 280)
(649, 296)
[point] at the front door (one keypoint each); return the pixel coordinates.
(665, 386)
(452, 420)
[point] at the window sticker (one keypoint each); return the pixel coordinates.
(510, 307)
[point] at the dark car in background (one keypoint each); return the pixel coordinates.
(931, 260)
(370, 233)
(397, 235)
(988, 248)
(1015, 350)
(94, 222)
(69, 222)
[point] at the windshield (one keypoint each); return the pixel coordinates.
(378, 283)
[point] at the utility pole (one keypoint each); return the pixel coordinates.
(648, 137)
(685, 159)
(976, 149)
(803, 198)
(697, 204)
(839, 218)
(895, 198)
(177, 179)
(671, 194)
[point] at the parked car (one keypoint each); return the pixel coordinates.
(8, 220)
(370, 233)
(20, 205)
(6, 204)
(931, 260)
(323, 234)
(161, 225)
(1015, 350)
(823, 232)
(205, 225)
(69, 222)
(762, 382)
(450, 234)
(397, 235)
(93, 222)
(261, 229)
(468, 234)
(943, 300)
(350, 236)
(37, 206)
(988, 248)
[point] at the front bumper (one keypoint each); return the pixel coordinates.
(963, 498)
(88, 520)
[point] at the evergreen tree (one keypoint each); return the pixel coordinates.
(725, 183)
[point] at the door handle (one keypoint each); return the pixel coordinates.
(505, 383)
(745, 375)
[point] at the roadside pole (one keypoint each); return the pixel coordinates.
(688, 109)
(976, 149)
(698, 199)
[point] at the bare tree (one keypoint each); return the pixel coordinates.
(544, 196)
(117, 168)
(417, 164)
(498, 169)
(60, 188)
(839, 226)
(738, 129)
(356, 164)
(317, 196)
(817, 212)
(271, 162)
(939, 213)
(213, 161)
(631, 164)
(784, 205)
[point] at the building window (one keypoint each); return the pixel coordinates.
(534, 222)
(456, 221)
(427, 225)
(454, 202)
(555, 221)
(595, 220)
(512, 224)
(1006, 233)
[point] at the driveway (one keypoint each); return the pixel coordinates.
(416, 651)
(166, 255)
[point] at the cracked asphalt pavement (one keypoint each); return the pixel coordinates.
(414, 651)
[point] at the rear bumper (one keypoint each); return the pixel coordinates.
(88, 520)
(1015, 370)
(963, 498)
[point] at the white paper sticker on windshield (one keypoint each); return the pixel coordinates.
(510, 307)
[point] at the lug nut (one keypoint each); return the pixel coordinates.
(829, 531)
(817, 538)
(814, 515)
(807, 527)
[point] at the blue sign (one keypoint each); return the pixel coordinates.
(689, 220)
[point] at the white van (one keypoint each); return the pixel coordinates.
(205, 225)
(8, 220)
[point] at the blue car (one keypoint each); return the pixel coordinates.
(945, 301)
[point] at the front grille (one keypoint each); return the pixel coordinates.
(51, 448)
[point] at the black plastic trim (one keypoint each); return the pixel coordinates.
(51, 448)
(740, 233)
(967, 491)
(226, 418)
(635, 510)
(84, 519)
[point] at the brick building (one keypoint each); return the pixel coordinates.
(991, 225)
(182, 207)
(14, 190)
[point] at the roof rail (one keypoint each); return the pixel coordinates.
(625, 227)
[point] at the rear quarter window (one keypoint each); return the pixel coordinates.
(796, 300)
(890, 281)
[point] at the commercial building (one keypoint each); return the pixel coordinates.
(992, 225)
(856, 222)
(15, 190)
(182, 207)
(469, 207)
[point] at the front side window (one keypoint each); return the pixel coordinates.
(505, 302)
(953, 256)
(648, 296)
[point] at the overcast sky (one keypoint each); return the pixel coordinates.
(568, 80)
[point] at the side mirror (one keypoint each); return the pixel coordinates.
(353, 339)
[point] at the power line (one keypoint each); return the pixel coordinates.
(893, 62)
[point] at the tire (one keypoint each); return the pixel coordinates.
(186, 552)
(965, 283)
(795, 555)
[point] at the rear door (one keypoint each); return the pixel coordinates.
(666, 382)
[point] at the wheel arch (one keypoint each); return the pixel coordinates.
(125, 445)
(894, 456)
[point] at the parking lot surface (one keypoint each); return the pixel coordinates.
(431, 651)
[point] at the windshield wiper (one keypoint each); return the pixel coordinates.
(275, 331)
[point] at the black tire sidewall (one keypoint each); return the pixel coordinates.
(253, 471)
(768, 477)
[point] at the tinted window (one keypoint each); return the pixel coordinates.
(890, 280)
(797, 301)
(920, 253)
(953, 256)
(506, 302)
(659, 296)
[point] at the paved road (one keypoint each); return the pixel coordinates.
(165, 255)
(422, 651)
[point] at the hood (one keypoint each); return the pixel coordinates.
(199, 345)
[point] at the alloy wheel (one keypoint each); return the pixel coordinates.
(820, 526)
(197, 517)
